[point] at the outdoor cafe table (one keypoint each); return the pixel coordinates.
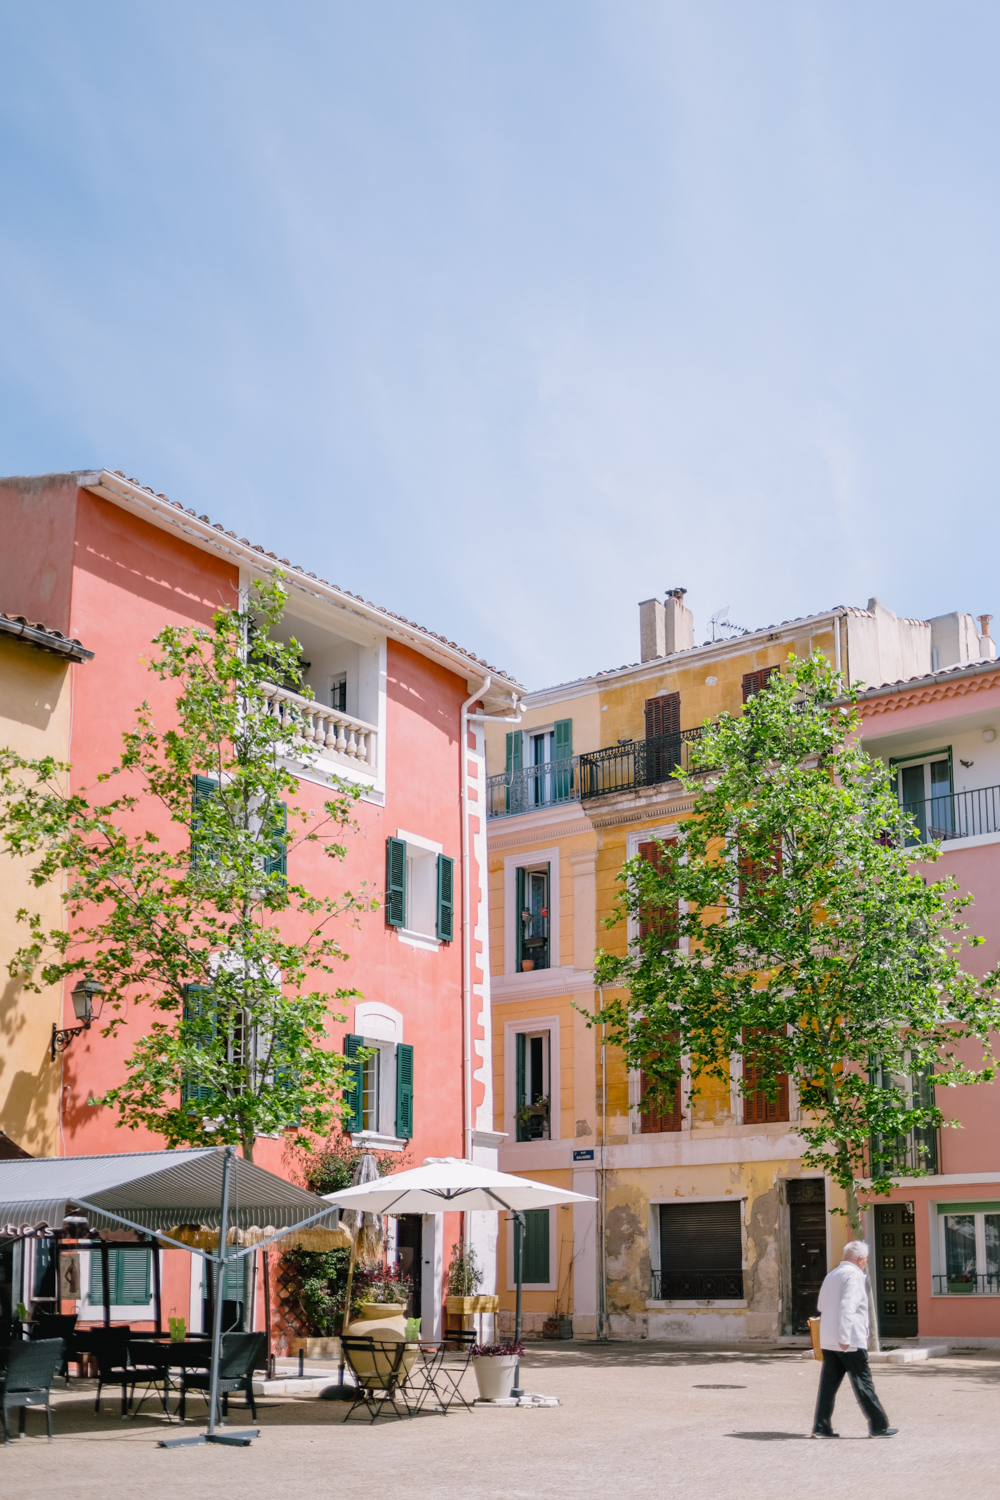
(192, 1353)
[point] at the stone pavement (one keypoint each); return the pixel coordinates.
(636, 1420)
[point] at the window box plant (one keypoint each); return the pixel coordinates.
(495, 1365)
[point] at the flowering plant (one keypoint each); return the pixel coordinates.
(498, 1351)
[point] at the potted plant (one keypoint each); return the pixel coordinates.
(495, 1365)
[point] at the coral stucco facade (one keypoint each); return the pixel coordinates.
(104, 560)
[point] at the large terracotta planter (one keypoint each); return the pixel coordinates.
(495, 1375)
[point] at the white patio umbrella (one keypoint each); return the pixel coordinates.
(446, 1183)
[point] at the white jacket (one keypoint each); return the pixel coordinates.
(843, 1308)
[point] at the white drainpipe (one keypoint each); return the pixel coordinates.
(514, 718)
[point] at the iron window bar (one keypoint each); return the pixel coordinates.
(545, 785)
(636, 763)
(668, 1286)
(967, 1285)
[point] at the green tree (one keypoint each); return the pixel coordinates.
(789, 928)
(203, 926)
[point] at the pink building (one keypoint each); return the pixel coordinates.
(103, 559)
(937, 1238)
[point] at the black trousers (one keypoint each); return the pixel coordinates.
(836, 1365)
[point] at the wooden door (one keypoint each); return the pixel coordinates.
(807, 1236)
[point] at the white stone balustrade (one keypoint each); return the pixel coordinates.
(323, 730)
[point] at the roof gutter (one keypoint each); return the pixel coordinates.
(914, 684)
(45, 640)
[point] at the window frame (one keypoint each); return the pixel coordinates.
(380, 1028)
(531, 1025)
(535, 1286)
(430, 852)
(121, 1312)
(530, 859)
(655, 1247)
(977, 1210)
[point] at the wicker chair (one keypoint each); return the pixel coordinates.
(241, 1354)
(27, 1380)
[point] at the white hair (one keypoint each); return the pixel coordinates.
(855, 1250)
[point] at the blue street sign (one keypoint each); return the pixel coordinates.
(583, 1156)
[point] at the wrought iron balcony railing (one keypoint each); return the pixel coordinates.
(536, 786)
(684, 1286)
(955, 815)
(636, 763)
(957, 1286)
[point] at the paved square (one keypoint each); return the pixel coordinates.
(636, 1420)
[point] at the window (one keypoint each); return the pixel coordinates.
(758, 1109)
(380, 1098)
(534, 1089)
(419, 889)
(663, 1116)
(129, 1276)
(701, 1251)
(533, 918)
(663, 735)
(338, 694)
(918, 1149)
(753, 682)
(924, 789)
(660, 920)
(969, 1249)
(535, 1241)
(539, 768)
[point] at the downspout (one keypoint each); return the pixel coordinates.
(467, 901)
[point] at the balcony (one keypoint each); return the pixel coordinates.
(697, 1286)
(325, 734)
(536, 786)
(955, 815)
(636, 763)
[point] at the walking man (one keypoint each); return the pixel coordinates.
(843, 1338)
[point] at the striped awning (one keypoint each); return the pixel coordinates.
(153, 1189)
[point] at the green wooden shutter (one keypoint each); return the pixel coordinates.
(395, 883)
(521, 1085)
(198, 1009)
(518, 921)
(353, 1094)
(445, 898)
(133, 1278)
(563, 750)
(202, 787)
(404, 1092)
(515, 762)
(276, 863)
(96, 1289)
(536, 1245)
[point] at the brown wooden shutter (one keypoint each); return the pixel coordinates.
(661, 918)
(663, 715)
(754, 681)
(758, 1109)
(653, 1122)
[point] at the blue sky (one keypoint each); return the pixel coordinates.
(510, 313)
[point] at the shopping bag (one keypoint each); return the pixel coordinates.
(814, 1335)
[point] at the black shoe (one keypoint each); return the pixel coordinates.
(828, 1434)
(886, 1432)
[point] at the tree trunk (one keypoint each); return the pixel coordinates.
(856, 1222)
(247, 1141)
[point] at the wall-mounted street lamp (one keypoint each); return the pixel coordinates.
(85, 992)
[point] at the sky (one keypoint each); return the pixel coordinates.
(508, 314)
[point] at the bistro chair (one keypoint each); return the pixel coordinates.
(379, 1367)
(57, 1326)
(241, 1354)
(27, 1380)
(110, 1348)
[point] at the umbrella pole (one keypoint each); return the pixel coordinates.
(220, 1288)
(347, 1300)
(517, 1390)
(267, 1314)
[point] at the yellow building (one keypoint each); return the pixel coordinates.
(706, 1226)
(36, 667)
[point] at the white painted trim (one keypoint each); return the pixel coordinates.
(378, 1141)
(510, 1031)
(388, 1023)
(534, 1286)
(541, 984)
(418, 939)
(952, 846)
(527, 860)
(953, 1179)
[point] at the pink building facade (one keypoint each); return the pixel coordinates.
(936, 1238)
(103, 559)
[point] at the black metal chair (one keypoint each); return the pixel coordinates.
(110, 1348)
(379, 1366)
(57, 1326)
(241, 1354)
(27, 1380)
